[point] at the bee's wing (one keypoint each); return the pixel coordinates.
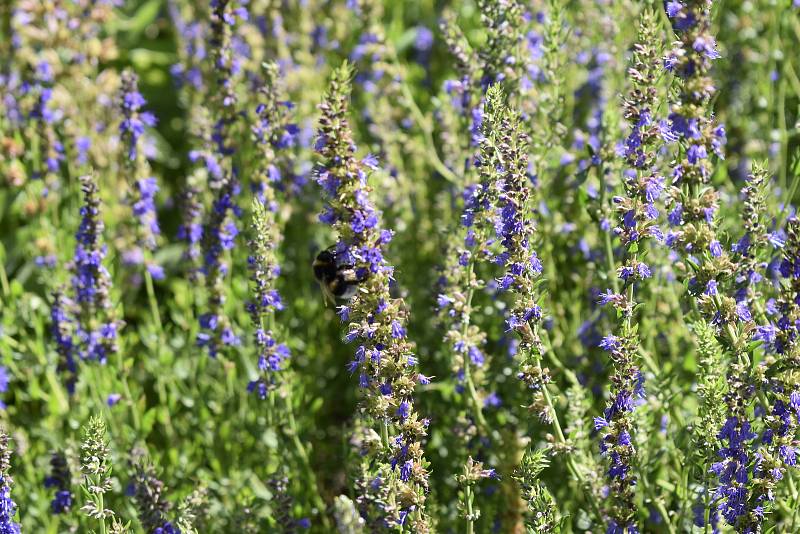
(327, 295)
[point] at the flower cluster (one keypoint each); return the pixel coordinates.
(283, 504)
(61, 329)
(192, 49)
(459, 287)
(8, 508)
(136, 169)
(220, 230)
(725, 284)
(473, 473)
(503, 166)
(636, 215)
(96, 471)
(503, 20)
(190, 75)
(544, 515)
(615, 428)
(134, 119)
(274, 133)
(96, 327)
(693, 205)
(264, 269)
(376, 320)
(33, 98)
(784, 336)
(224, 15)
(637, 211)
(777, 453)
(750, 248)
(711, 415)
(61, 479)
(191, 228)
(749, 479)
(733, 469)
(454, 306)
(46, 63)
(496, 61)
(388, 108)
(151, 505)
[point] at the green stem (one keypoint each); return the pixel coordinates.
(611, 264)
(160, 387)
(127, 391)
(571, 465)
(151, 296)
(425, 126)
(787, 201)
(427, 131)
(4, 279)
(471, 390)
(306, 462)
(795, 502)
(473, 394)
(663, 511)
(101, 507)
(385, 434)
(557, 363)
(468, 496)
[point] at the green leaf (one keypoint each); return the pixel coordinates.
(143, 17)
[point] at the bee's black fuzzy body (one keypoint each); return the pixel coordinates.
(337, 281)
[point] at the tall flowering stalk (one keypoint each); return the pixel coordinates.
(95, 320)
(190, 76)
(8, 508)
(780, 396)
(748, 496)
(752, 247)
(636, 215)
(503, 20)
(191, 228)
(466, 340)
(96, 470)
(151, 505)
(135, 170)
(692, 125)
(498, 60)
(503, 164)
(495, 61)
(220, 230)
(376, 321)
(272, 355)
(507, 195)
(61, 480)
(273, 134)
(61, 329)
(454, 303)
(266, 300)
(693, 207)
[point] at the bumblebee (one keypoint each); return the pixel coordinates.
(337, 280)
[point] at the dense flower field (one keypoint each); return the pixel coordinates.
(380, 266)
